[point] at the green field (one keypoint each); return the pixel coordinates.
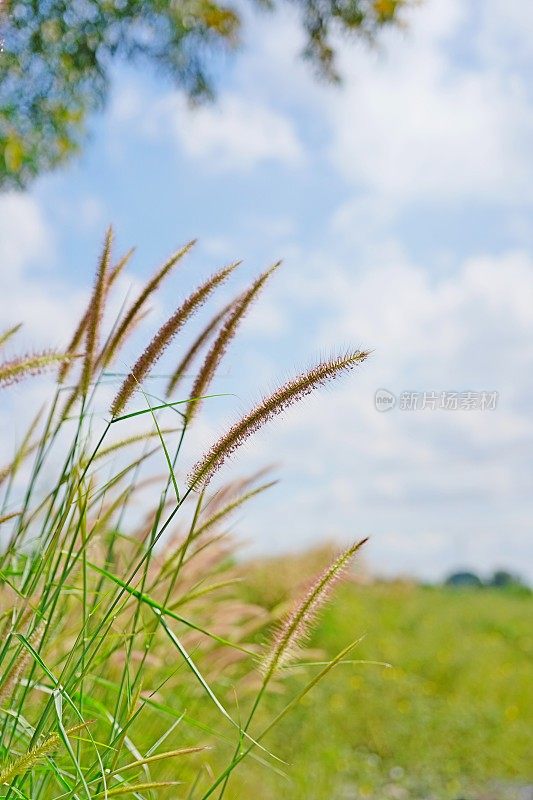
(452, 718)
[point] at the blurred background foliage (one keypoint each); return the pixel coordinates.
(451, 718)
(57, 56)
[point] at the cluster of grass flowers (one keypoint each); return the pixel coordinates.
(127, 655)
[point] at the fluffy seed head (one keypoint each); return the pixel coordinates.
(120, 266)
(165, 335)
(220, 345)
(194, 349)
(82, 325)
(23, 763)
(95, 312)
(11, 678)
(270, 407)
(16, 369)
(132, 315)
(295, 629)
(6, 335)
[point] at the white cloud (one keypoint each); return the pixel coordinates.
(505, 34)
(24, 235)
(31, 290)
(434, 488)
(414, 123)
(426, 115)
(236, 133)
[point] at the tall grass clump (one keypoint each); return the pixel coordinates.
(130, 664)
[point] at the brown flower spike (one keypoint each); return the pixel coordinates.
(220, 345)
(296, 626)
(270, 407)
(164, 336)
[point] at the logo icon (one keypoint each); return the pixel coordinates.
(384, 400)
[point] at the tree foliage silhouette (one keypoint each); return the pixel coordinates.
(57, 56)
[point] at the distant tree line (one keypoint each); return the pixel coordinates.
(500, 579)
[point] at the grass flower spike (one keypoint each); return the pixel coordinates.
(291, 392)
(132, 315)
(195, 348)
(22, 367)
(121, 590)
(297, 625)
(82, 325)
(164, 336)
(10, 680)
(6, 335)
(96, 309)
(223, 340)
(29, 759)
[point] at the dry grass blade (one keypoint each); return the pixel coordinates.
(164, 336)
(7, 517)
(22, 367)
(132, 315)
(220, 345)
(283, 397)
(295, 629)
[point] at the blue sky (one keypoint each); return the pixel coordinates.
(401, 204)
